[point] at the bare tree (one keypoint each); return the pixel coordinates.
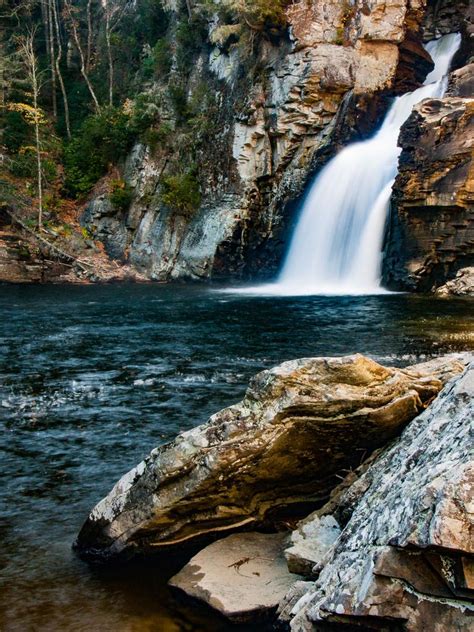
(57, 65)
(189, 8)
(89, 35)
(26, 53)
(51, 53)
(113, 13)
(73, 23)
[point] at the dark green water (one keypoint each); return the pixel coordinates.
(92, 378)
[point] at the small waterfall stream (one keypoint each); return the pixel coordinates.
(336, 247)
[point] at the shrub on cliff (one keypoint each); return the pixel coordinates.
(121, 195)
(102, 139)
(181, 193)
(246, 19)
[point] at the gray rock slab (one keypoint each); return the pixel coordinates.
(310, 543)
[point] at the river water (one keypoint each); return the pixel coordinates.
(92, 378)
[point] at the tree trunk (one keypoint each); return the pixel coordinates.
(77, 42)
(189, 8)
(109, 56)
(28, 53)
(58, 69)
(50, 40)
(89, 35)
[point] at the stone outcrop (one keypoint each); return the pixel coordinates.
(243, 576)
(446, 16)
(277, 452)
(431, 231)
(405, 556)
(327, 81)
(461, 285)
(310, 543)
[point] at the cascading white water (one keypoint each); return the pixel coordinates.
(336, 247)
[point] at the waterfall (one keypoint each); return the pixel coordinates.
(336, 247)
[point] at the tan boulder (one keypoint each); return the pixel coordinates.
(243, 576)
(461, 285)
(279, 450)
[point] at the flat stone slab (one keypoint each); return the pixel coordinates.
(243, 576)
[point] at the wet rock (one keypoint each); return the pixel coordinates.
(243, 576)
(461, 285)
(431, 229)
(405, 555)
(461, 82)
(277, 451)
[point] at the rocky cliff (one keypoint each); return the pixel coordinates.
(278, 113)
(431, 232)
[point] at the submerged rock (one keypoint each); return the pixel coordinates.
(405, 555)
(243, 576)
(299, 426)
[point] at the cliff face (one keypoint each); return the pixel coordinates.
(277, 120)
(430, 234)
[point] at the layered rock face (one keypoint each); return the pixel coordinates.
(431, 228)
(405, 556)
(278, 451)
(431, 232)
(328, 82)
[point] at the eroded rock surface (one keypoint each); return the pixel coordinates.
(431, 232)
(299, 425)
(243, 576)
(405, 555)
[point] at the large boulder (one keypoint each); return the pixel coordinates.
(405, 557)
(281, 449)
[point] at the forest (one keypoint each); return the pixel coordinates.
(77, 90)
